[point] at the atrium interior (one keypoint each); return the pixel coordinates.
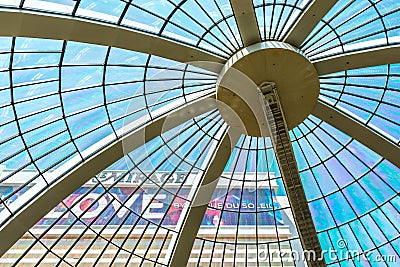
(200, 133)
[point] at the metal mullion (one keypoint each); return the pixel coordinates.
(116, 230)
(344, 43)
(79, 219)
(13, 154)
(241, 199)
(15, 111)
(102, 227)
(344, 147)
(181, 87)
(144, 87)
(137, 243)
(104, 91)
(225, 19)
(199, 37)
(204, 28)
(304, 46)
(51, 151)
(123, 99)
(263, 6)
(123, 13)
(32, 67)
(340, 191)
(175, 168)
(80, 88)
(78, 2)
(318, 46)
(32, 52)
(33, 83)
(162, 246)
(179, 79)
(33, 98)
(272, 20)
(212, 86)
(56, 163)
(38, 127)
(373, 4)
(284, 4)
(353, 85)
(79, 112)
(149, 245)
(167, 19)
(206, 132)
(32, 113)
(162, 102)
(188, 139)
(46, 138)
(372, 114)
(137, 165)
(39, 241)
(293, 8)
(357, 218)
(381, 101)
(88, 132)
(79, 199)
(225, 198)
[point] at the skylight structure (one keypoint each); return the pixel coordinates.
(125, 140)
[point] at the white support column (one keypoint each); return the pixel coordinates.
(307, 22)
(40, 25)
(360, 59)
(360, 132)
(201, 200)
(35, 209)
(246, 20)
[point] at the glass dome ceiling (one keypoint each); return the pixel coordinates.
(88, 175)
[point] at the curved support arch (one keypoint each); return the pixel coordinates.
(361, 133)
(33, 211)
(360, 59)
(59, 27)
(209, 182)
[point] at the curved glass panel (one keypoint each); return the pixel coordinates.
(275, 18)
(352, 193)
(353, 26)
(132, 211)
(369, 95)
(63, 101)
(213, 28)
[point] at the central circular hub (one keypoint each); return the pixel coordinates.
(295, 77)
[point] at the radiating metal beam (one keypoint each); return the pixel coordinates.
(37, 208)
(187, 235)
(307, 22)
(359, 132)
(246, 20)
(361, 59)
(59, 27)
